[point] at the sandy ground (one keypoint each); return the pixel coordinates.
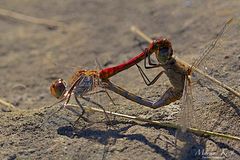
(32, 56)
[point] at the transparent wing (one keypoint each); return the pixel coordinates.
(204, 70)
(98, 64)
(212, 45)
(186, 118)
(186, 115)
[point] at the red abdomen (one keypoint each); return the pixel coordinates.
(111, 71)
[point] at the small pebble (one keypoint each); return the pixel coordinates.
(6, 110)
(226, 57)
(19, 87)
(12, 157)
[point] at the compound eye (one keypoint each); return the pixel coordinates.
(164, 51)
(58, 88)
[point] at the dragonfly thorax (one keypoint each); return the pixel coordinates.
(86, 84)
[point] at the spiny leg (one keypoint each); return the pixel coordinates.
(99, 105)
(146, 79)
(113, 104)
(72, 109)
(104, 85)
(146, 50)
(83, 111)
(143, 75)
(102, 91)
(150, 60)
(79, 104)
(93, 83)
(79, 80)
(105, 91)
(150, 63)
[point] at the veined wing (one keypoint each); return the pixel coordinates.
(212, 45)
(187, 104)
(186, 115)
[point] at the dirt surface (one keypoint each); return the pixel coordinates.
(32, 56)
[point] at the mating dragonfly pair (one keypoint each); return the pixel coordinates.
(179, 74)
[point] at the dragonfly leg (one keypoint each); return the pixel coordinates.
(83, 111)
(146, 79)
(150, 60)
(102, 91)
(150, 63)
(97, 104)
(143, 75)
(80, 105)
(72, 109)
(109, 96)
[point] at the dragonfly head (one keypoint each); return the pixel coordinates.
(58, 88)
(164, 50)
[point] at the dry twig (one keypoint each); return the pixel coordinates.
(41, 21)
(9, 105)
(195, 131)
